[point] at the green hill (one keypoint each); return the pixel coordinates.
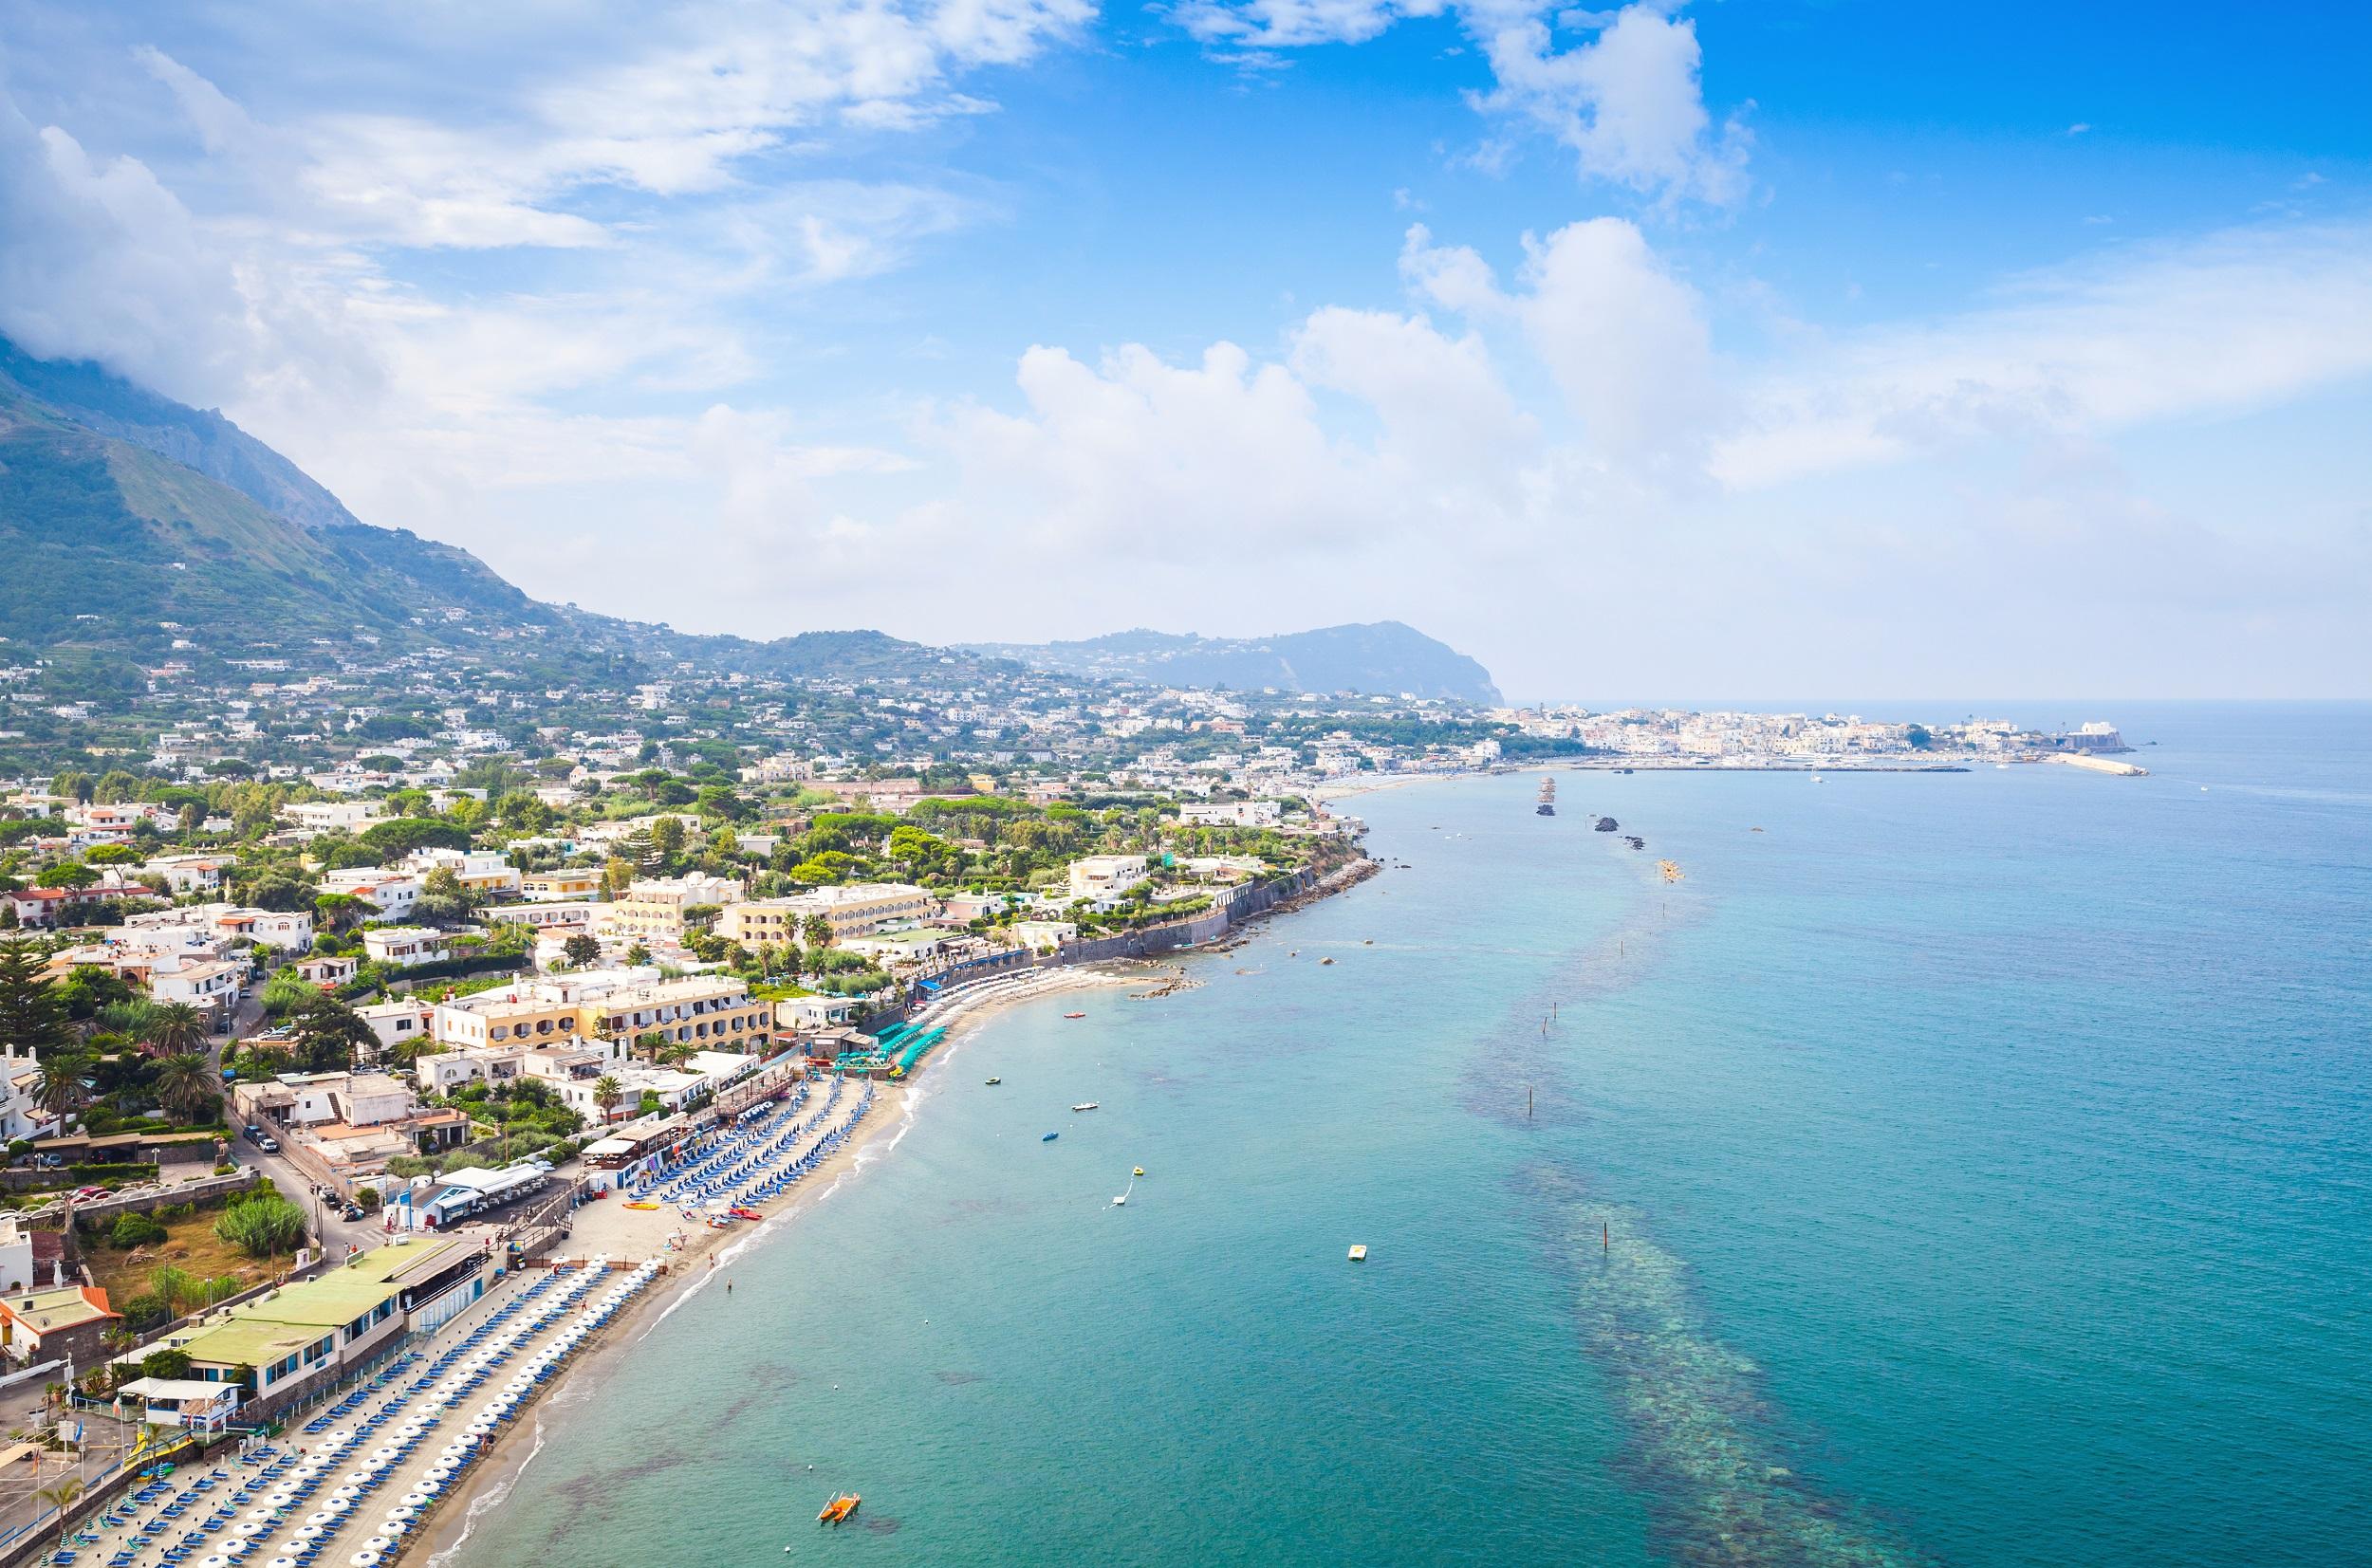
(1385, 658)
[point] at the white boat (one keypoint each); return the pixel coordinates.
(1123, 1197)
(1084, 1105)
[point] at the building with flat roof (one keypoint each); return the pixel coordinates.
(858, 909)
(654, 906)
(280, 1345)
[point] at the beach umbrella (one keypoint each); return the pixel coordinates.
(319, 1518)
(441, 1473)
(259, 1513)
(249, 1527)
(217, 1560)
(366, 1559)
(306, 1532)
(282, 1563)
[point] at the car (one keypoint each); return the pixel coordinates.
(269, 1143)
(351, 1212)
(253, 1132)
(85, 1194)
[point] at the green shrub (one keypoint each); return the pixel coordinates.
(134, 1229)
(262, 1224)
(146, 1311)
(165, 1363)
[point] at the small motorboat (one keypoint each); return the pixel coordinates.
(1325, 960)
(1138, 1172)
(1358, 1253)
(641, 1205)
(839, 1509)
(1049, 1137)
(1084, 1105)
(1123, 1198)
(1074, 1015)
(745, 1213)
(994, 1082)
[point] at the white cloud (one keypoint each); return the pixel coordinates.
(1626, 99)
(2202, 329)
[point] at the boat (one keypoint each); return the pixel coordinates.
(1324, 960)
(745, 1213)
(1358, 1253)
(994, 1082)
(1138, 1172)
(838, 1508)
(1123, 1198)
(1049, 1137)
(641, 1205)
(1074, 1015)
(1084, 1105)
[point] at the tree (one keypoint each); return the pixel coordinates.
(327, 1034)
(582, 950)
(818, 929)
(72, 875)
(30, 1015)
(667, 837)
(177, 1030)
(60, 1497)
(607, 1091)
(638, 954)
(58, 1086)
(188, 1087)
(263, 1225)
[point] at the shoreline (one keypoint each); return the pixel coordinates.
(490, 1480)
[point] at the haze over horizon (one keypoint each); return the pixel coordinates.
(1703, 347)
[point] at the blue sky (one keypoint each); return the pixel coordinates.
(1748, 346)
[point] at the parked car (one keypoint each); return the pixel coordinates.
(85, 1194)
(253, 1132)
(269, 1143)
(351, 1212)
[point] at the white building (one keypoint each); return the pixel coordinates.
(1102, 879)
(405, 946)
(1233, 813)
(332, 816)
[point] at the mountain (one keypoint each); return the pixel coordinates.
(131, 524)
(1382, 657)
(90, 397)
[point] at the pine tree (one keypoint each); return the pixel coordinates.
(30, 1015)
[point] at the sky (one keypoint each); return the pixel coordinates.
(1755, 347)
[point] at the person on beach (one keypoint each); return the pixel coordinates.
(729, 1287)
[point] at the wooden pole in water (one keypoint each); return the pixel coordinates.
(1527, 1101)
(1605, 1235)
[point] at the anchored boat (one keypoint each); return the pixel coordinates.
(1358, 1253)
(1084, 1105)
(838, 1508)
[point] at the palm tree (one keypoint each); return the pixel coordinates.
(607, 1091)
(60, 1497)
(132, 1020)
(177, 1029)
(59, 1088)
(819, 931)
(187, 1086)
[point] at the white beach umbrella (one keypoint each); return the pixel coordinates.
(282, 1563)
(249, 1527)
(366, 1559)
(318, 1519)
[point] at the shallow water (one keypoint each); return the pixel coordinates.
(1965, 1169)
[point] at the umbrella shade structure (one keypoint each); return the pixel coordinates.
(260, 1513)
(366, 1560)
(282, 1563)
(249, 1527)
(217, 1560)
(403, 1516)
(345, 1494)
(443, 1472)
(319, 1518)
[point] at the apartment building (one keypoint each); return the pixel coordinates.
(858, 909)
(654, 906)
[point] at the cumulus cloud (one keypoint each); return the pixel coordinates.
(1626, 98)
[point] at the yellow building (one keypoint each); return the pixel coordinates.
(654, 906)
(859, 910)
(718, 1014)
(554, 887)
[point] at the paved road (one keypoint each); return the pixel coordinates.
(335, 1234)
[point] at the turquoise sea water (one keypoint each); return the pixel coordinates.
(1965, 1169)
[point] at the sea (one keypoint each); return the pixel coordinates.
(1960, 1167)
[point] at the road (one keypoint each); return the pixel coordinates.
(336, 1235)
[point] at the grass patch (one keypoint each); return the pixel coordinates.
(189, 1246)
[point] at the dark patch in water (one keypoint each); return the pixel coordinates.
(957, 1379)
(881, 1524)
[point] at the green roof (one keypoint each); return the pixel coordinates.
(260, 1333)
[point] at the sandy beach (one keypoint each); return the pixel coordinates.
(608, 1228)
